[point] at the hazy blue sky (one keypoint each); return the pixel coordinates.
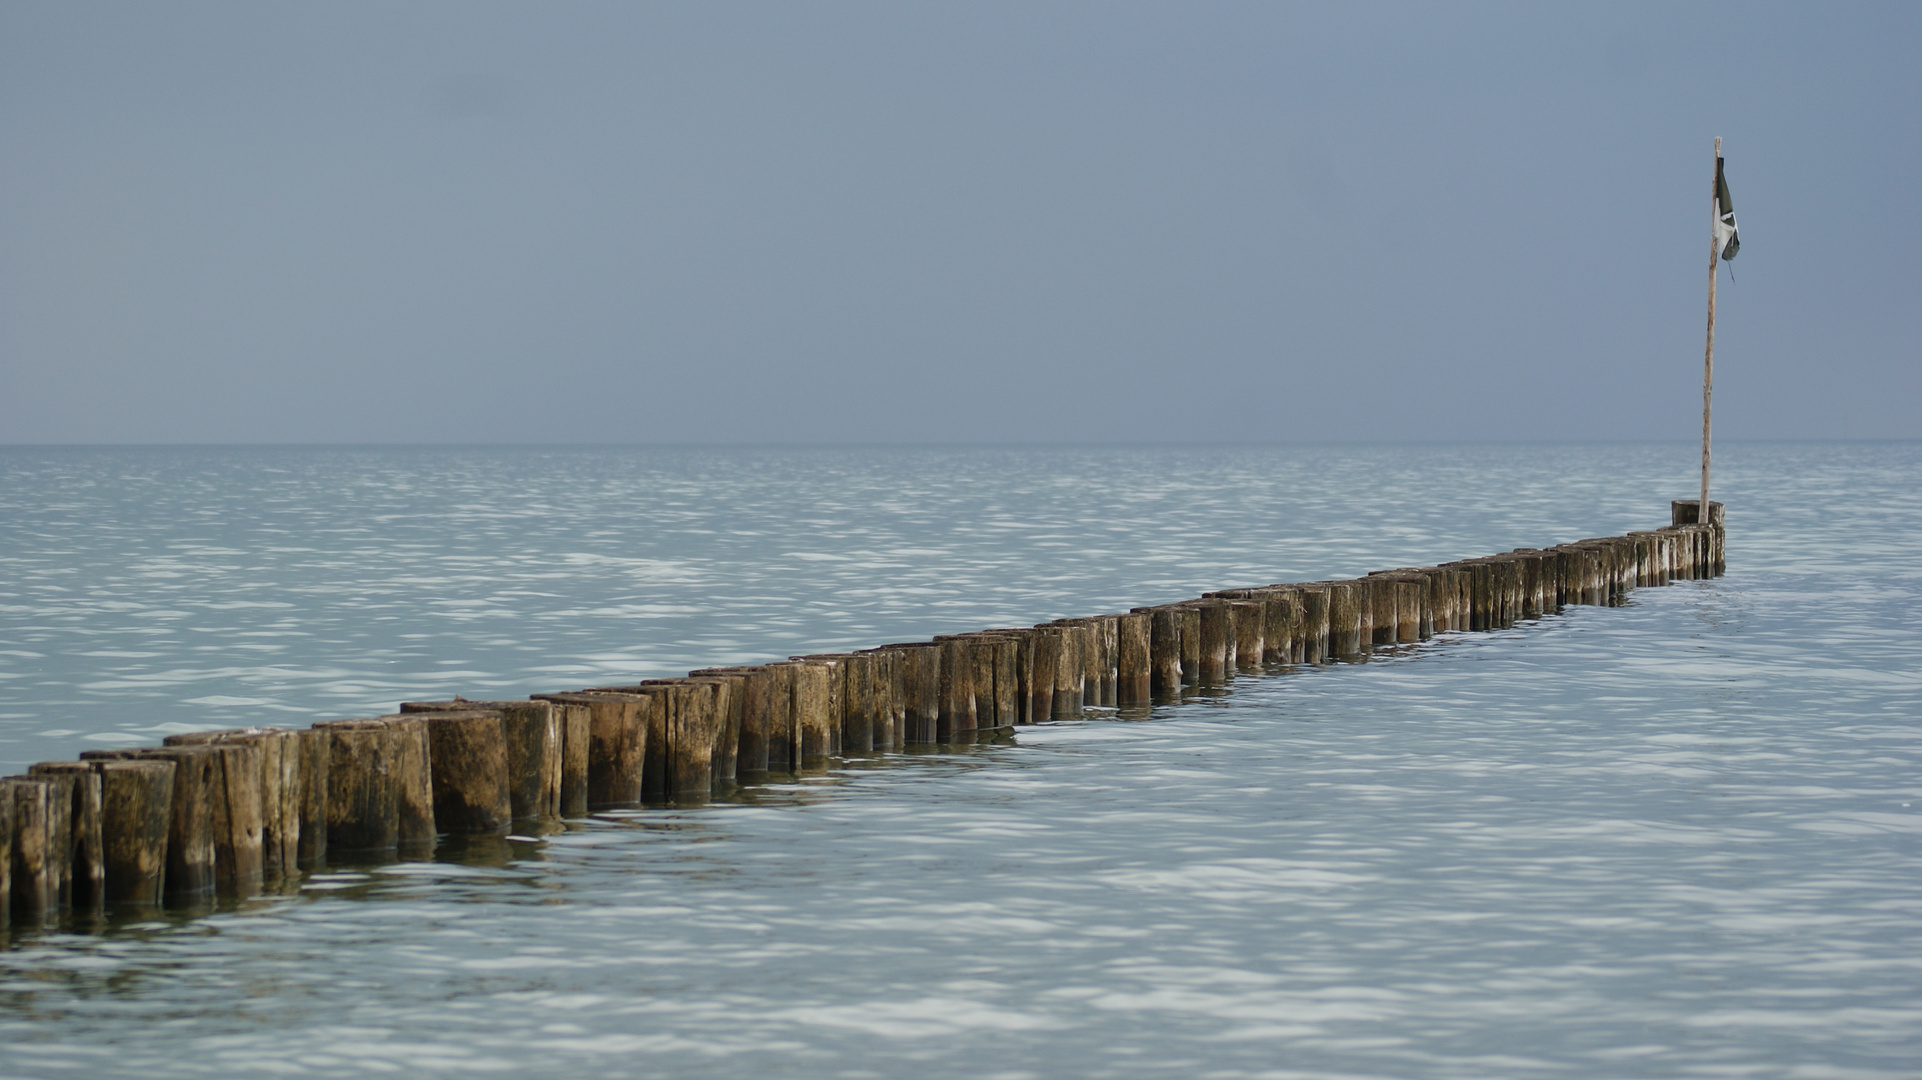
(845, 222)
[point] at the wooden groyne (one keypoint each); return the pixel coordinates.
(229, 814)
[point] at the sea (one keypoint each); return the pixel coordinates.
(1677, 838)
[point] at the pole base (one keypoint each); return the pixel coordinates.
(1683, 512)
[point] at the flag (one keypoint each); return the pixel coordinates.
(1727, 240)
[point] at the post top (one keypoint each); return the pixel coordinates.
(1683, 511)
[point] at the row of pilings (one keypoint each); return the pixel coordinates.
(224, 815)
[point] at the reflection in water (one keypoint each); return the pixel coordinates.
(1674, 838)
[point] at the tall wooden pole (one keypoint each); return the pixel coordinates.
(1708, 354)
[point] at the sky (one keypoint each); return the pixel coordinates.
(974, 222)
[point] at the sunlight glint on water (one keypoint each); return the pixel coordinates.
(1673, 839)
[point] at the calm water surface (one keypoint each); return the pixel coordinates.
(1680, 838)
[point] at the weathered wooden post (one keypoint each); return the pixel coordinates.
(813, 713)
(1070, 672)
(1384, 618)
(889, 702)
(189, 876)
(1164, 651)
(1620, 563)
(1487, 592)
(1106, 632)
(1344, 621)
(577, 725)
(784, 729)
(656, 770)
(469, 768)
(1502, 592)
(416, 794)
(532, 741)
(920, 671)
(757, 693)
(1279, 616)
(315, 762)
(136, 813)
(1312, 630)
(1551, 571)
(617, 731)
(956, 720)
(278, 759)
(1411, 601)
(59, 848)
(78, 784)
(1045, 661)
(1134, 659)
(858, 703)
(35, 871)
(1217, 635)
(730, 705)
(363, 787)
(693, 724)
(1250, 618)
(1010, 687)
(236, 808)
(902, 667)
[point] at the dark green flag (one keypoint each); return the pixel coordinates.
(1727, 240)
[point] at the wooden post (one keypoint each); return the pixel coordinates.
(732, 705)
(1384, 617)
(617, 733)
(693, 724)
(1250, 619)
(1070, 673)
(136, 811)
(827, 732)
(35, 871)
(919, 665)
(813, 713)
(882, 700)
(278, 779)
(757, 703)
(891, 671)
(1217, 635)
(1164, 652)
(533, 749)
(1277, 625)
(470, 770)
(57, 843)
(783, 736)
(1411, 603)
(577, 725)
(1009, 684)
(656, 771)
(315, 766)
(189, 877)
(858, 700)
(1344, 621)
(1313, 629)
(1188, 621)
(363, 791)
(80, 785)
(416, 795)
(1134, 659)
(1106, 633)
(1044, 671)
(956, 720)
